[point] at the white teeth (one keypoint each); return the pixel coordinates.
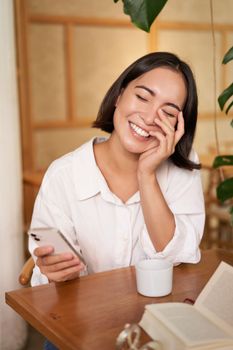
(139, 131)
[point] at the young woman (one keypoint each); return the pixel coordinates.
(136, 194)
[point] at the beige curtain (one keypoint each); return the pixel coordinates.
(13, 328)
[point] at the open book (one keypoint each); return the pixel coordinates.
(208, 324)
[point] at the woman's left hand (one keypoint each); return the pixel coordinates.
(168, 138)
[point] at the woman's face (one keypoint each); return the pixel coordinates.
(160, 90)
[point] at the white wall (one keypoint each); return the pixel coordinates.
(13, 328)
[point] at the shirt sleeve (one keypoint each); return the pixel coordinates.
(51, 209)
(184, 196)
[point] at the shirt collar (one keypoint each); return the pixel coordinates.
(87, 177)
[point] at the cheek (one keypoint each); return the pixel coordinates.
(118, 119)
(127, 104)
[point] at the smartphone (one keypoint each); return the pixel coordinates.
(55, 238)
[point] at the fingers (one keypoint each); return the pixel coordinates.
(165, 123)
(166, 145)
(45, 257)
(163, 141)
(51, 260)
(69, 273)
(180, 128)
(59, 267)
(167, 129)
(168, 137)
(173, 136)
(42, 251)
(62, 271)
(48, 268)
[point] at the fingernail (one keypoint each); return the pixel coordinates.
(49, 249)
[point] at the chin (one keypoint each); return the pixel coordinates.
(137, 148)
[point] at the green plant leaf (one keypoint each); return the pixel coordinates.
(222, 161)
(232, 123)
(229, 107)
(228, 56)
(225, 95)
(225, 190)
(143, 12)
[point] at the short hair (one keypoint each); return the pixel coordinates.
(104, 119)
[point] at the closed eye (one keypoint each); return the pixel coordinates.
(141, 98)
(169, 114)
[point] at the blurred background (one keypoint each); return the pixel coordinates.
(61, 56)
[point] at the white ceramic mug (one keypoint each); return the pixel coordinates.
(154, 277)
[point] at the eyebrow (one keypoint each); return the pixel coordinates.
(146, 88)
(153, 94)
(173, 105)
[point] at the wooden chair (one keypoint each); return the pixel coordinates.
(26, 272)
(218, 229)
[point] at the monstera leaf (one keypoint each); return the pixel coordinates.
(228, 92)
(143, 12)
(225, 189)
(225, 96)
(223, 161)
(228, 56)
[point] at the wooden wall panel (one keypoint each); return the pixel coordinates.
(51, 144)
(100, 55)
(205, 134)
(223, 11)
(85, 8)
(186, 11)
(197, 11)
(47, 72)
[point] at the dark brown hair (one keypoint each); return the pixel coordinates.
(104, 119)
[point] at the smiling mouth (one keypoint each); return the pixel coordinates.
(139, 131)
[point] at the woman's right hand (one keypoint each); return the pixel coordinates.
(59, 267)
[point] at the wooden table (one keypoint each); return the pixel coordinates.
(90, 312)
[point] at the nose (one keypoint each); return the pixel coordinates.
(150, 117)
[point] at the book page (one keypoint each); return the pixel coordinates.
(216, 299)
(192, 327)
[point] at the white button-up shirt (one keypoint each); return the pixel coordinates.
(75, 198)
